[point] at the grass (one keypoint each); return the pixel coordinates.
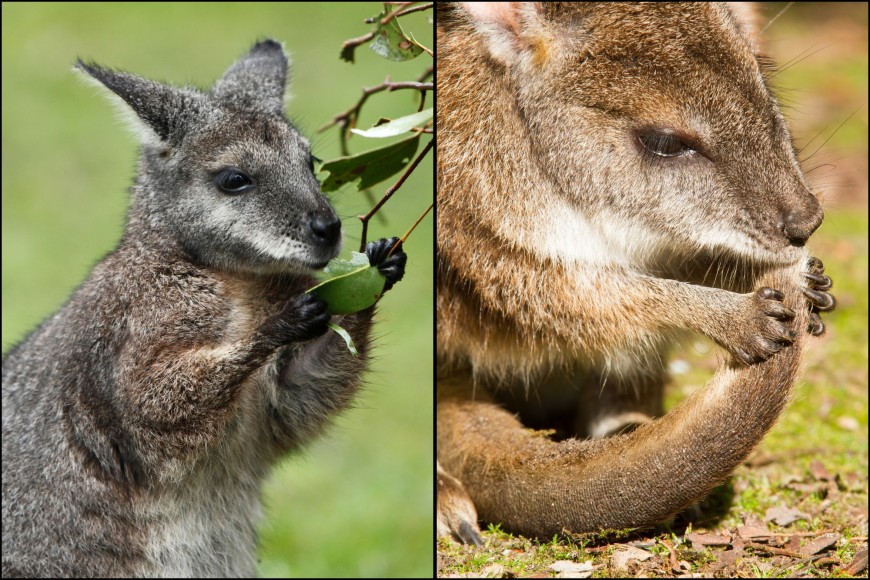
(358, 502)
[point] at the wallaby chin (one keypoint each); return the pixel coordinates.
(140, 419)
(610, 176)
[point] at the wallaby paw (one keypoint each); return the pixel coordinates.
(817, 295)
(390, 265)
(303, 318)
(456, 517)
(766, 330)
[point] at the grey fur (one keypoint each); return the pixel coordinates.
(141, 418)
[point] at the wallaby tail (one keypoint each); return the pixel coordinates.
(538, 487)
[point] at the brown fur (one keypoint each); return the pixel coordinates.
(570, 253)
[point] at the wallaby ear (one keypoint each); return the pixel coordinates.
(510, 29)
(746, 17)
(257, 81)
(166, 111)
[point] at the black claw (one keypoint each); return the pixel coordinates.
(785, 314)
(815, 326)
(391, 265)
(770, 294)
(815, 266)
(469, 535)
(378, 250)
(819, 282)
(821, 301)
(743, 357)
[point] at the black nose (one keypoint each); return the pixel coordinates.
(325, 229)
(799, 222)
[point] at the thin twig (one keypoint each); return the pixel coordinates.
(419, 8)
(355, 42)
(390, 191)
(411, 229)
(675, 564)
(349, 116)
(775, 551)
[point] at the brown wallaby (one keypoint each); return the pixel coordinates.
(609, 175)
(140, 419)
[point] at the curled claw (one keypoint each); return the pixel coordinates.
(815, 326)
(378, 250)
(815, 266)
(819, 282)
(770, 294)
(388, 257)
(818, 297)
(821, 301)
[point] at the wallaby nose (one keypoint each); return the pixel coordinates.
(799, 223)
(325, 229)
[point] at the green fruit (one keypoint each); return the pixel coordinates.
(349, 285)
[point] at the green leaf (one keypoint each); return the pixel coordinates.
(347, 339)
(336, 267)
(396, 126)
(370, 167)
(349, 285)
(391, 42)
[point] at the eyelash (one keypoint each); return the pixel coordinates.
(666, 143)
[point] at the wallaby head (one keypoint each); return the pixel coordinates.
(656, 117)
(224, 173)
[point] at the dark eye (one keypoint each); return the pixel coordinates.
(664, 143)
(233, 180)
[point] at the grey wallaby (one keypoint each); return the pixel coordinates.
(609, 176)
(140, 419)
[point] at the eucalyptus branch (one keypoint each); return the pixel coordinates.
(391, 46)
(418, 8)
(355, 42)
(390, 191)
(347, 119)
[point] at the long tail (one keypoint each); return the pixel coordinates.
(538, 487)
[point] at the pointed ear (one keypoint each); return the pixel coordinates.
(256, 82)
(165, 111)
(509, 29)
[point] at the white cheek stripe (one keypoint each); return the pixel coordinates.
(563, 233)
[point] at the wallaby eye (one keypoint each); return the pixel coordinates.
(664, 143)
(233, 180)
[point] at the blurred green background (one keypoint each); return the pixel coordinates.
(358, 502)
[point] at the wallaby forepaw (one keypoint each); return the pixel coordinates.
(302, 318)
(390, 265)
(768, 330)
(817, 295)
